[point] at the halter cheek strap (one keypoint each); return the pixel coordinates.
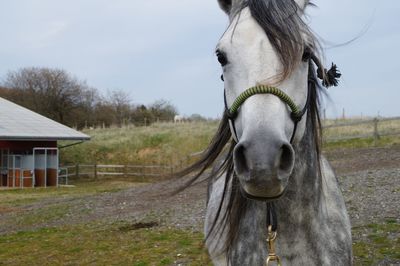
(231, 120)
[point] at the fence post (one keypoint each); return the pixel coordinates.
(77, 171)
(95, 171)
(125, 171)
(66, 176)
(376, 132)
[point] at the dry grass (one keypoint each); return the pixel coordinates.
(159, 144)
(367, 129)
(172, 144)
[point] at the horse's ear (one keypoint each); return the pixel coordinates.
(302, 4)
(226, 5)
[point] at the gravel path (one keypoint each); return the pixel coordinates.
(372, 196)
(369, 180)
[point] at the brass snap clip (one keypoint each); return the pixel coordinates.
(272, 257)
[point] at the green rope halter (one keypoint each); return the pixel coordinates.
(263, 89)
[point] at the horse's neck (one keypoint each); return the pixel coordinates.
(312, 218)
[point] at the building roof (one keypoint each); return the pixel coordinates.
(19, 123)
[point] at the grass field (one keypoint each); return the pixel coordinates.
(349, 128)
(160, 144)
(173, 144)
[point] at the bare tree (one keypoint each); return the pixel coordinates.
(53, 93)
(56, 94)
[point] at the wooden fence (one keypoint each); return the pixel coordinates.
(144, 172)
(97, 171)
(372, 128)
(332, 131)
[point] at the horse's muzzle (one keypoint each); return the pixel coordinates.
(263, 170)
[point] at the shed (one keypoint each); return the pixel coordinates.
(28, 146)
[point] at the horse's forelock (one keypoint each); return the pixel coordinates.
(285, 28)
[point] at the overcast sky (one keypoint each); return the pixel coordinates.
(164, 49)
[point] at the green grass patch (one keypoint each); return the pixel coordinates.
(103, 245)
(43, 215)
(109, 245)
(21, 197)
(376, 242)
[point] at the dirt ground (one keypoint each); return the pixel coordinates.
(369, 178)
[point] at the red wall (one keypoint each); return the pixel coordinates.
(22, 146)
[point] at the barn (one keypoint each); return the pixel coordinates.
(28, 147)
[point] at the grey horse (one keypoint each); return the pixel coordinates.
(268, 170)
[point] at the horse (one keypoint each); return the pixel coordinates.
(178, 119)
(272, 195)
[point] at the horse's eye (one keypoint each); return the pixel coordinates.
(222, 78)
(222, 58)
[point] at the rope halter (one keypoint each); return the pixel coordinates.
(296, 113)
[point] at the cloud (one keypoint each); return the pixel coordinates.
(43, 35)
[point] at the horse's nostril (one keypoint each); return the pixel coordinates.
(255, 161)
(240, 159)
(287, 158)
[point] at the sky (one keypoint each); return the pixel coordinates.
(164, 49)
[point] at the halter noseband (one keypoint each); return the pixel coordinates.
(296, 113)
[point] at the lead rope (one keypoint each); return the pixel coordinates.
(272, 228)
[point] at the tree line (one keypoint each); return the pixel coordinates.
(58, 95)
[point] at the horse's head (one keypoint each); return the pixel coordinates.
(264, 45)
